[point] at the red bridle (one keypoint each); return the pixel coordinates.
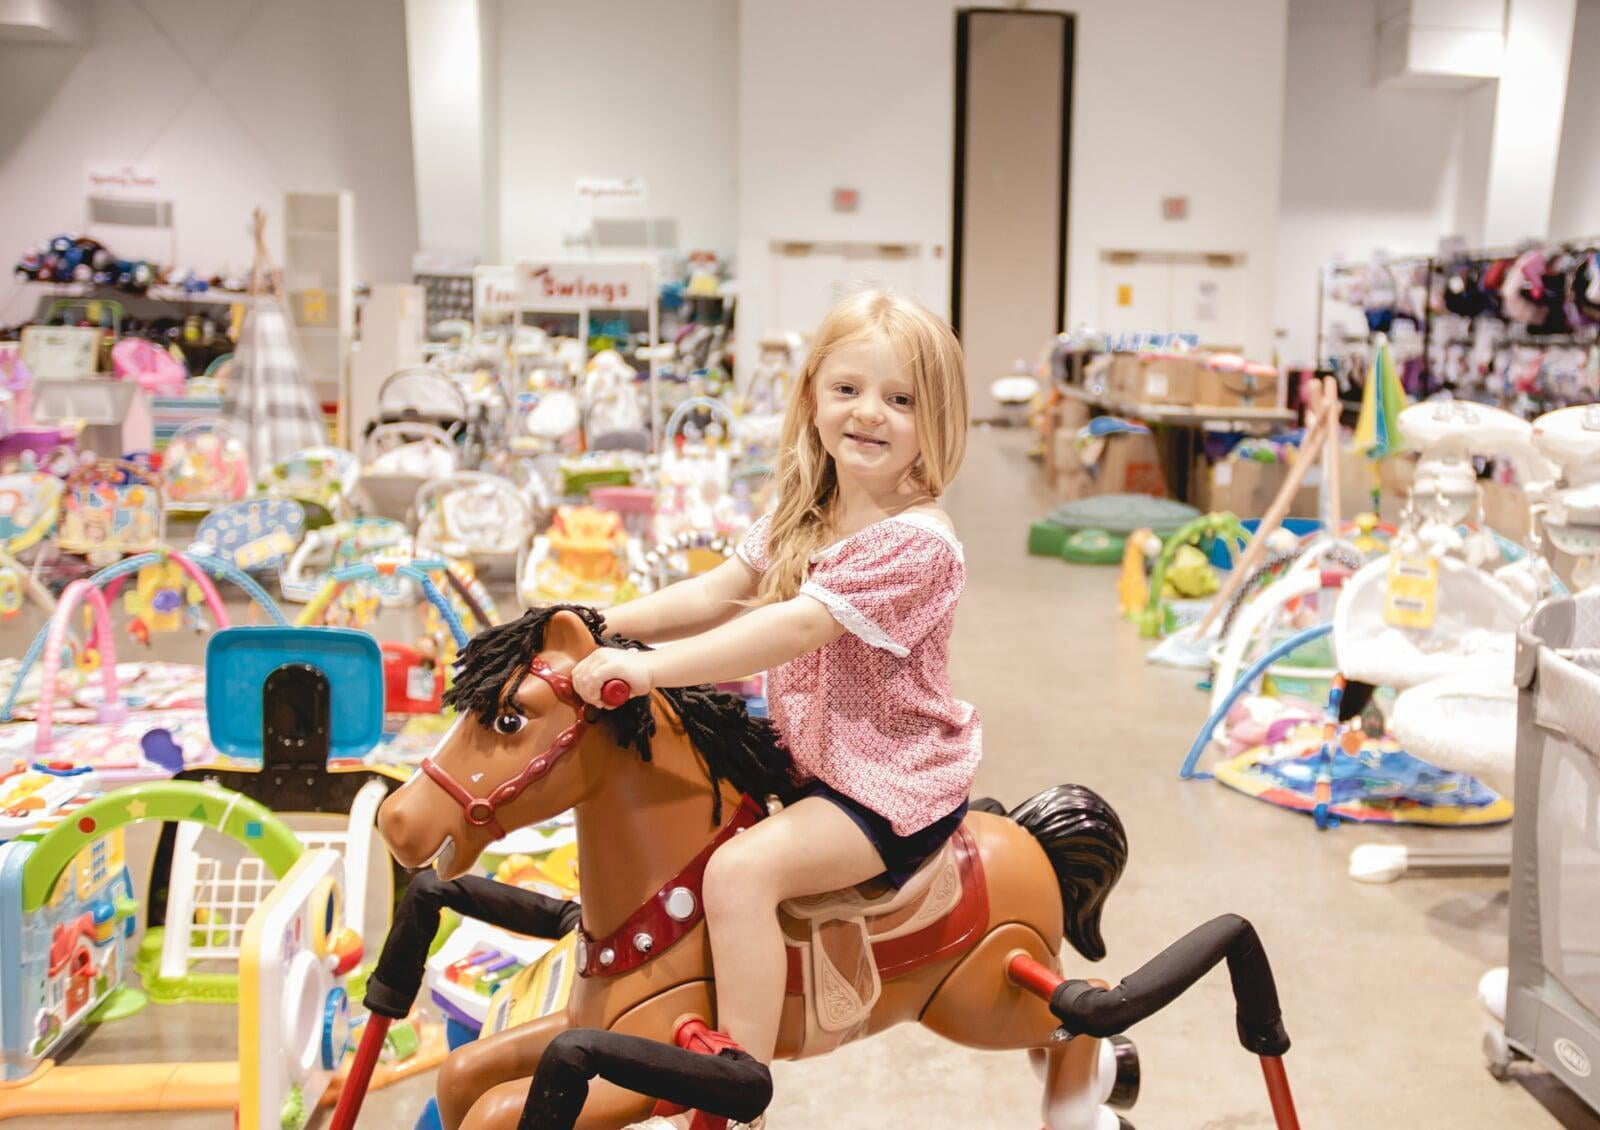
(480, 811)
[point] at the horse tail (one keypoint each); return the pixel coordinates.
(1088, 849)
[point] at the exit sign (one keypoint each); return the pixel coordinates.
(1174, 207)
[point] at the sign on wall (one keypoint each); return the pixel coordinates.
(494, 290)
(612, 188)
(544, 284)
(125, 180)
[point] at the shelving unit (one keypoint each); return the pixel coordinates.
(319, 287)
(1233, 419)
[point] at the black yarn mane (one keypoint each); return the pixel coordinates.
(734, 747)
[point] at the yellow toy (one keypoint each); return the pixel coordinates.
(162, 592)
(1133, 587)
(583, 558)
(1190, 575)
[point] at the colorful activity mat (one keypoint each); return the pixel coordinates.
(144, 685)
(160, 696)
(1379, 784)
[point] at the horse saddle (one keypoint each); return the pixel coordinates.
(843, 944)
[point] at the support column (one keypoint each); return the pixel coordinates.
(1529, 106)
(453, 138)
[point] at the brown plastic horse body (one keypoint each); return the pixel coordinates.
(640, 820)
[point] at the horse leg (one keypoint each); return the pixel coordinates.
(979, 1007)
(484, 1085)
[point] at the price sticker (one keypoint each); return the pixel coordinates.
(420, 684)
(1411, 599)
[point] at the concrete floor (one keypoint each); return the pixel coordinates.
(1377, 982)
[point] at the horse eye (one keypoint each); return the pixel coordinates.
(509, 723)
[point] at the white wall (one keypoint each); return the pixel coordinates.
(1365, 168)
(616, 88)
(236, 102)
(1575, 211)
(1169, 99)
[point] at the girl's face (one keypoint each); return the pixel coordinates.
(864, 413)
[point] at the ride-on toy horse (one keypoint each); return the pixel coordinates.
(968, 947)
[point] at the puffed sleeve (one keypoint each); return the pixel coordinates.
(753, 549)
(890, 585)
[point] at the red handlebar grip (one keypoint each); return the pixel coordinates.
(615, 693)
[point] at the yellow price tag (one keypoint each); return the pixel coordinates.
(314, 308)
(253, 553)
(1412, 597)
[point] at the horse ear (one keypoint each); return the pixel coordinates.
(566, 636)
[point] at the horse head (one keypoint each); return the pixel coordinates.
(523, 748)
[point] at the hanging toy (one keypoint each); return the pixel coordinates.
(11, 591)
(158, 602)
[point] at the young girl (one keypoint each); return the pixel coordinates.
(845, 596)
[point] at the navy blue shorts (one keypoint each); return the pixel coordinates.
(901, 855)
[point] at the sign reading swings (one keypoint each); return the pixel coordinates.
(593, 284)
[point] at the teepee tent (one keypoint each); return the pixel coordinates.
(270, 404)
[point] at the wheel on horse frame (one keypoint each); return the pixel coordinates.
(1125, 1088)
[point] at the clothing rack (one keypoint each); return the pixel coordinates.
(1437, 270)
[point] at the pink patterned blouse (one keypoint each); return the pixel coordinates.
(871, 714)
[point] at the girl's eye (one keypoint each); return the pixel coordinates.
(509, 724)
(900, 401)
(845, 390)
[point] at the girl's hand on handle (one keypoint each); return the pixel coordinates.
(608, 665)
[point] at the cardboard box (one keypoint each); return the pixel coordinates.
(1122, 376)
(1505, 509)
(1167, 379)
(1246, 488)
(1200, 484)
(1228, 388)
(1072, 479)
(1131, 464)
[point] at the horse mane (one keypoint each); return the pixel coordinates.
(733, 746)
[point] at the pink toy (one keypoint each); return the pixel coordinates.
(155, 370)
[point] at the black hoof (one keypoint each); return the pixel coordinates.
(1126, 1091)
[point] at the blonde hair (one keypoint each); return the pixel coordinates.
(806, 479)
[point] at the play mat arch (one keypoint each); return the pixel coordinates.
(200, 568)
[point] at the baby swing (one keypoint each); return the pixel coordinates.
(473, 515)
(399, 459)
